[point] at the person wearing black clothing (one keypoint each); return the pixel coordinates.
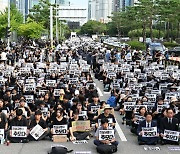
(75, 135)
(108, 116)
(169, 123)
(19, 120)
(39, 121)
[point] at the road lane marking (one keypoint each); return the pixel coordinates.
(120, 132)
(99, 91)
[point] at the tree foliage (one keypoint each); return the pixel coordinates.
(93, 27)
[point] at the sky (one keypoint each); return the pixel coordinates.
(83, 3)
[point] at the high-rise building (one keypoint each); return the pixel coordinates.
(3, 5)
(100, 10)
(24, 5)
(120, 5)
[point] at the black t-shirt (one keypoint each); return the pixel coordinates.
(56, 122)
(42, 123)
(16, 122)
(110, 116)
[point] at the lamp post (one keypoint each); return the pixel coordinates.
(9, 24)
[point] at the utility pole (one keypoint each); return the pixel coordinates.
(9, 24)
(57, 33)
(51, 25)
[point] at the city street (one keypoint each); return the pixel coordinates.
(127, 141)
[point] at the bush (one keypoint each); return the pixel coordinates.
(138, 33)
(136, 45)
(170, 44)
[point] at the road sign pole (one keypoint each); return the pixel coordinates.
(9, 24)
(51, 25)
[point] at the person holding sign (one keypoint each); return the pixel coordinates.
(74, 133)
(107, 115)
(104, 126)
(170, 124)
(59, 119)
(19, 134)
(39, 121)
(147, 131)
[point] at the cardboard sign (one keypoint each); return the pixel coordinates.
(19, 131)
(139, 119)
(129, 106)
(37, 132)
(29, 98)
(149, 131)
(106, 135)
(171, 135)
(59, 138)
(94, 109)
(51, 83)
(1, 134)
(59, 129)
(81, 126)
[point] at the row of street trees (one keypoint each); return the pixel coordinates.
(37, 23)
(147, 18)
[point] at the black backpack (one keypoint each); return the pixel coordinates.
(106, 149)
(59, 150)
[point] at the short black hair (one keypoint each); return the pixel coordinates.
(38, 112)
(104, 120)
(148, 113)
(19, 112)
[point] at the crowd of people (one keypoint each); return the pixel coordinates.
(43, 88)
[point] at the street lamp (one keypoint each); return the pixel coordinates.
(9, 24)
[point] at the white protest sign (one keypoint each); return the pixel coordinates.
(29, 87)
(110, 121)
(37, 132)
(1, 134)
(57, 92)
(50, 83)
(106, 135)
(129, 106)
(161, 107)
(139, 119)
(149, 131)
(19, 131)
(29, 98)
(80, 142)
(59, 129)
(94, 109)
(171, 135)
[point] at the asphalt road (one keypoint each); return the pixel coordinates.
(125, 147)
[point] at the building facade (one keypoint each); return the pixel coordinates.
(100, 10)
(3, 5)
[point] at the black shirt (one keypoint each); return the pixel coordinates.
(42, 123)
(16, 122)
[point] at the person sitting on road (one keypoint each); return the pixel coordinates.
(104, 126)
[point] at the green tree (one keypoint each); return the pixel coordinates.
(93, 27)
(16, 20)
(30, 30)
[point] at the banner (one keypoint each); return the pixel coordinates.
(106, 135)
(171, 135)
(81, 126)
(59, 129)
(19, 131)
(149, 131)
(37, 132)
